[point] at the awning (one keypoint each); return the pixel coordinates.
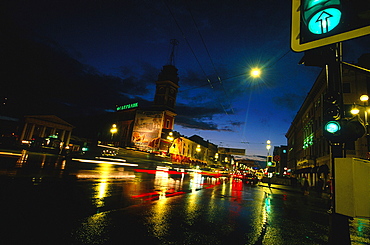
(303, 170)
(314, 169)
(323, 169)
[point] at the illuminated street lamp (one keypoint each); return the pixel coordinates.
(170, 136)
(355, 111)
(216, 157)
(364, 98)
(255, 72)
(197, 156)
(171, 139)
(268, 146)
(113, 129)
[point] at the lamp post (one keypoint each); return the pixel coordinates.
(269, 160)
(171, 139)
(198, 151)
(113, 129)
(268, 147)
(364, 98)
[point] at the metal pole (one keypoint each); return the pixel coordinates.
(367, 130)
(339, 224)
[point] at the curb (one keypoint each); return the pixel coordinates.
(273, 186)
(312, 193)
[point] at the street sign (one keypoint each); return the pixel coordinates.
(317, 23)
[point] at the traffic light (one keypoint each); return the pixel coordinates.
(269, 161)
(332, 115)
(353, 129)
(344, 130)
(317, 23)
(320, 18)
(331, 106)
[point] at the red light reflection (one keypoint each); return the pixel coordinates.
(155, 195)
(151, 171)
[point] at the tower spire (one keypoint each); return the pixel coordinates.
(174, 43)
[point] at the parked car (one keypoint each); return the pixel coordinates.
(49, 144)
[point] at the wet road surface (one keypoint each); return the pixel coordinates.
(48, 200)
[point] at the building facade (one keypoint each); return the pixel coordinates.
(308, 150)
(46, 127)
(145, 127)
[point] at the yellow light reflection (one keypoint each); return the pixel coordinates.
(161, 183)
(101, 189)
(101, 193)
(22, 159)
(196, 181)
(63, 166)
(43, 161)
(160, 225)
(191, 209)
(91, 231)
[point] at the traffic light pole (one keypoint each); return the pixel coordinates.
(339, 224)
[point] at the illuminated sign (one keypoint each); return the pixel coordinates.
(128, 106)
(308, 141)
(147, 129)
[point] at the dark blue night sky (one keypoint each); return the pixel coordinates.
(88, 56)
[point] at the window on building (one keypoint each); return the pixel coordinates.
(308, 135)
(346, 87)
(168, 123)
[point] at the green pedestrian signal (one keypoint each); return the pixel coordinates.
(344, 130)
(269, 161)
(332, 127)
(324, 21)
(320, 16)
(317, 23)
(331, 108)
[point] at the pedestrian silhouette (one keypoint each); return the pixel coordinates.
(305, 187)
(320, 185)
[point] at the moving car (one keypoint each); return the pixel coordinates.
(250, 179)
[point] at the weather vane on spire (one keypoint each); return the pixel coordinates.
(174, 43)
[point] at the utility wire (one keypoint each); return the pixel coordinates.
(235, 76)
(192, 51)
(211, 60)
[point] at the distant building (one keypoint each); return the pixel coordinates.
(146, 128)
(280, 158)
(46, 126)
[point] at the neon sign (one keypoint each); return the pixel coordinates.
(128, 106)
(308, 141)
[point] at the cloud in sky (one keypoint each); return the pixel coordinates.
(87, 58)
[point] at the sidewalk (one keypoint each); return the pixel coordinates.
(293, 189)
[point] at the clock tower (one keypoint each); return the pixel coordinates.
(167, 85)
